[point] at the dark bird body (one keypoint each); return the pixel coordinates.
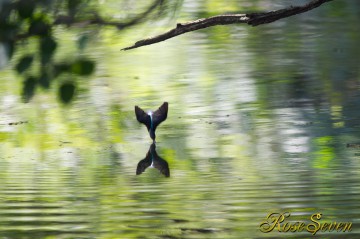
(152, 119)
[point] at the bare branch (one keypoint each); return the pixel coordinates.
(253, 19)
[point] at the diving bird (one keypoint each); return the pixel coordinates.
(152, 119)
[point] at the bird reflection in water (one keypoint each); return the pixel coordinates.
(153, 160)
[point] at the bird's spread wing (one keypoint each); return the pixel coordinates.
(142, 117)
(160, 114)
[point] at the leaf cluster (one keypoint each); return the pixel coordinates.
(25, 20)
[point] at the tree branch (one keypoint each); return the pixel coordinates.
(253, 19)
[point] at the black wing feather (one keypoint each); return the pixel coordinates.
(160, 114)
(142, 117)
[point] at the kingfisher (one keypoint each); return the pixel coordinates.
(152, 119)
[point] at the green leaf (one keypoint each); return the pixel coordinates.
(24, 63)
(39, 27)
(83, 67)
(67, 92)
(29, 87)
(60, 68)
(47, 48)
(73, 4)
(8, 31)
(26, 8)
(44, 81)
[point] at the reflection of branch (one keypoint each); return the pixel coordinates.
(69, 20)
(142, 16)
(95, 19)
(253, 19)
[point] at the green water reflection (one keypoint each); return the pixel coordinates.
(259, 122)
